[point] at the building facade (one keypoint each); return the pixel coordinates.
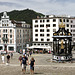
(14, 35)
(44, 27)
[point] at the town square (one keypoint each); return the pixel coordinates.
(43, 66)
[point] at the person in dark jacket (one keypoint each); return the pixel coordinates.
(8, 58)
(32, 63)
(24, 63)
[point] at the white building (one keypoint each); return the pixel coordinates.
(14, 35)
(44, 27)
(73, 31)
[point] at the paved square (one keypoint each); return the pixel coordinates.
(43, 66)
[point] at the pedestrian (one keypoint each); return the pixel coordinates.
(30, 53)
(20, 59)
(32, 63)
(8, 58)
(24, 63)
(3, 58)
(11, 55)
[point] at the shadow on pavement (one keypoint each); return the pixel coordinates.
(36, 73)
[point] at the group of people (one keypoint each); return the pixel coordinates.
(24, 62)
(8, 58)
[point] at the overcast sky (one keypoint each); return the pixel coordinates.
(47, 7)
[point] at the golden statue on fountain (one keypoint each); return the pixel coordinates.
(62, 46)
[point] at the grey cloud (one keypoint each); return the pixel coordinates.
(43, 6)
(10, 4)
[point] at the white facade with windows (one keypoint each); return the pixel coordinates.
(43, 29)
(13, 34)
(7, 34)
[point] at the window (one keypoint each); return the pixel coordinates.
(43, 20)
(48, 30)
(48, 34)
(7, 24)
(34, 44)
(11, 48)
(6, 30)
(47, 25)
(73, 34)
(20, 31)
(0, 36)
(67, 25)
(41, 30)
(10, 41)
(42, 44)
(3, 30)
(54, 20)
(67, 20)
(42, 39)
(71, 25)
(63, 20)
(60, 20)
(41, 25)
(20, 36)
(54, 25)
(68, 30)
(54, 30)
(36, 34)
(71, 21)
(38, 44)
(36, 39)
(10, 30)
(48, 39)
(36, 30)
(40, 20)
(10, 36)
(46, 44)
(71, 30)
(36, 21)
(41, 34)
(47, 20)
(2, 24)
(35, 25)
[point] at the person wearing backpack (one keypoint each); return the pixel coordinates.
(24, 63)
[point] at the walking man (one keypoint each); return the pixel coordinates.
(24, 63)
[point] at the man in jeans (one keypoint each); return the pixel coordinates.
(24, 63)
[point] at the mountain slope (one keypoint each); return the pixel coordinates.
(23, 15)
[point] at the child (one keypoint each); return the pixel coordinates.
(3, 58)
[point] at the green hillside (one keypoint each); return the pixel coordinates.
(23, 15)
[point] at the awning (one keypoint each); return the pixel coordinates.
(31, 47)
(44, 47)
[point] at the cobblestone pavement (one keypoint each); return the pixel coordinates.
(43, 66)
